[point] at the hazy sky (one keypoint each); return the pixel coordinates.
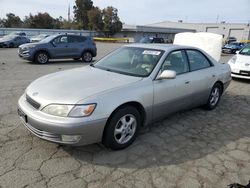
(143, 11)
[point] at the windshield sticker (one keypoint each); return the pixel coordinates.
(151, 52)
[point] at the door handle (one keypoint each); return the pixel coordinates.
(187, 82)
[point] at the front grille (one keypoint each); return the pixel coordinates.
(242, 73)
(32, 102)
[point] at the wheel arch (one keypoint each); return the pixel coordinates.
(88, 50)
(134, 104)
(221, 84)
(42, 50)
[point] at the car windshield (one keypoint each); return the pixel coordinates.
(146, 40)
(41, 36)
(48, 39)
(133, 61)
(245, 50)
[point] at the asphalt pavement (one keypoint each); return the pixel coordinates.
(191, 149)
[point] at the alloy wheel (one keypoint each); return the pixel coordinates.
(125, 129)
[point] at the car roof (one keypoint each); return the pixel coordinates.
(157, 46)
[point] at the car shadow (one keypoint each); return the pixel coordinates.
(242, 80)
(180, 138)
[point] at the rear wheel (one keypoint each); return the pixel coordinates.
(41, 58)
(87, 56)
(122, 128)
(214, 97)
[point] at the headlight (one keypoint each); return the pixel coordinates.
(233, 60)
(82, 110)
(69, 110)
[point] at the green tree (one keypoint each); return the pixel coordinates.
(12, 21)
(1, 22)
(43, 21)
(81, 9)
(112, 23)
(95, 19)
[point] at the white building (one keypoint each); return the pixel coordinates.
(168, 29)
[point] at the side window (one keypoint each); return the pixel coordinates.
(75, 39)
(81, 38)
(64, 39)
(177, 62)
(197, 60)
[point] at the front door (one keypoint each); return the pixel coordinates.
(171, 95)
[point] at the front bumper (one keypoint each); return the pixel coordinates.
(55, 129)
(240, 72)
(228, 50)
(25, 54)
(240, 75)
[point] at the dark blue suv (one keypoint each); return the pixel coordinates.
(232, 47)
(59, 46)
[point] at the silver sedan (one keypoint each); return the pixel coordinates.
(110, 100)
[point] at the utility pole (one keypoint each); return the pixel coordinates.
(69, 13)
(217, 18)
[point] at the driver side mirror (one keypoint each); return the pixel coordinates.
(167, 74)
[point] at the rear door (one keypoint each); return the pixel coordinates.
(203, 76)
(76, 45)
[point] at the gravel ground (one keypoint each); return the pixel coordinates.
(192, 149)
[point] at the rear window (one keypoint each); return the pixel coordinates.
(197, 60)
(73, 39)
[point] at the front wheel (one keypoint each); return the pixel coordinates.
(11, 45)
(41, 58)
(87, 57)
(214, 97)
(122, 128)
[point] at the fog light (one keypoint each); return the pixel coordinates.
(71, 138)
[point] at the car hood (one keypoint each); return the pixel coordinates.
(28, 44)
(71, 86)
(243, 58)
(5, 40)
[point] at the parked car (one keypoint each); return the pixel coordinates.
(240, 63)
(19, 33)
(38, 38)
(233, 47)
(11, 41)
(59, 46)
(230, 40)
(151, 40)
(111, 99)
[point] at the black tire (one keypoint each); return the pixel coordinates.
(76, 59)
(111, 138)
(214, 97)
(11, 45)
(41, 58)
(87, 56)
